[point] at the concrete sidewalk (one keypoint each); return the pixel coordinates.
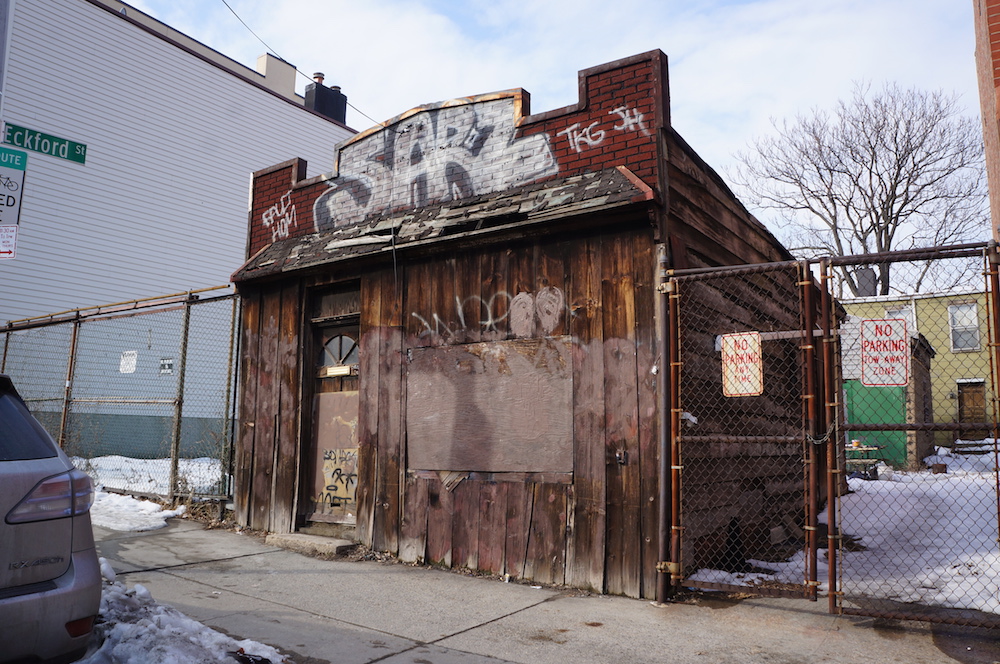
(318, 611)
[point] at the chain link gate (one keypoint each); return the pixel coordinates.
(889, 405)
(746, 458)
(918, 504)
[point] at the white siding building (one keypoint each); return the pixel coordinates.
(172, 131)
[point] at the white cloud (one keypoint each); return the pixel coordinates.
(733, 63)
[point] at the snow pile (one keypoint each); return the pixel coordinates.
(924, 537)
(137, 630)
(125, 513)
(198, 476)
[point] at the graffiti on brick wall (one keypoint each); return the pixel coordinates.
(279, 218)
(525, 313)
(434, 156)
(580, 137)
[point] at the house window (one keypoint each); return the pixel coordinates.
(904, 313)
(963, 321)
(166, 366)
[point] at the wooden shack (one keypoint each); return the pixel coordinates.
(452, 342)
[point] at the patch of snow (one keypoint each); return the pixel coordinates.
(124, 513)
(200, 476)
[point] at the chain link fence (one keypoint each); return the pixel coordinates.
(919, 512)
(139, 394)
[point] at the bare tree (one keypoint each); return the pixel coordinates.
(896, 169)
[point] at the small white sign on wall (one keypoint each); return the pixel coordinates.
(742, 365)
(127, 364)
(8, 241)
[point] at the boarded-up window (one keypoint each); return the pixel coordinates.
(504, 406)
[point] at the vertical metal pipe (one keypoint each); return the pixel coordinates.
(175, 434)
(676, 526)
(832, 395)
(809, 394)
(225, 460)
(663, 586)
(6, 346)
(68, 388)
(993, 259)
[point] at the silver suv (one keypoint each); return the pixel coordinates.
(50, 580)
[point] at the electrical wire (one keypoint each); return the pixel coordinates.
(297, 70)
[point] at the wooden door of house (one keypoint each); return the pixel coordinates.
(972, 407)
(333, 452)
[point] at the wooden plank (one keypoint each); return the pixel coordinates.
(492, 526)
(419, 322)
(649, 453)
(267, 411)
(621, 417)
(521, 317)
(289, 404)
(413, 529)
(440, 505)
(586, 546)
(469, 298)
(390, 433)
(465, 526)
(551, 287)
(494, 269)
(368, 412)
(520, 499)
(545, 561)
(249, 376)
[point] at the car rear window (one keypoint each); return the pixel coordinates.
(21, 436)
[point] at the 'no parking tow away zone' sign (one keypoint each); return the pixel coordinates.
(742, 366)
(885, 352)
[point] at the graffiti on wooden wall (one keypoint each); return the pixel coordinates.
(340, 475)
(525, 313)
(436, 155)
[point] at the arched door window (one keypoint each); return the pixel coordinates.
(338, 355)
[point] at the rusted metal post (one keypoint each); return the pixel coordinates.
(812, 423)
(663, 585)
(993, 263)
(175, 434)
(68, 388)
(676, 526)
(832, 394)
(226, 453)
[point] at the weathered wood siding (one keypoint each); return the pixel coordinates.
(588, 527)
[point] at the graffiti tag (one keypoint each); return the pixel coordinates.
(280, 217)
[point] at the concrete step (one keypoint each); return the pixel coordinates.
(310, 544)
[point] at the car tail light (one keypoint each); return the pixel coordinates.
(80, 627)
(67, 494)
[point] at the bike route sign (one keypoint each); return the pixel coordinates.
(13, 164)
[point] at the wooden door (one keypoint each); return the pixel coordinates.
(972, 408)
(333, 453)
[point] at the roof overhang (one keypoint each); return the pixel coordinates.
(517, 210)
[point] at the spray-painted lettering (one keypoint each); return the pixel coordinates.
(280, 217)
(436, 155)
(525, 314)
(630, 119)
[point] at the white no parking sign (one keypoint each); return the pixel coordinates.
(885, 352)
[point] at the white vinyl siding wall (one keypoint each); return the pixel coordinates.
(161, 204)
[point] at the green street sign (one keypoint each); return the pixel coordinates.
(36, 141)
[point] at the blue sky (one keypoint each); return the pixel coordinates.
(734, 64)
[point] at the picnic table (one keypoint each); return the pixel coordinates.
(862, 459)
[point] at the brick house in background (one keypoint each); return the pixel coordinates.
(458, 349)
